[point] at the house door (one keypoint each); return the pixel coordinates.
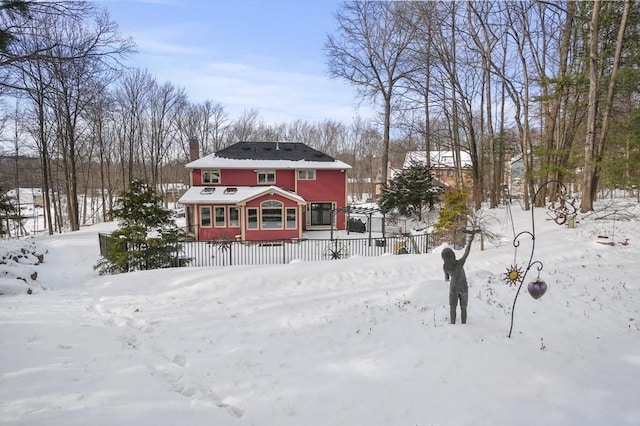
(321, 214)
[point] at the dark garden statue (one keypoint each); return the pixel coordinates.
(458, 287)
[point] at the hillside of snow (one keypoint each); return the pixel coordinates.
(357, 341)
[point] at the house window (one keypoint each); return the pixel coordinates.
(252, 218)
(450, 173)
(205, 217)
(291, 219)
(321, 214)
(306, 174)
(266, 176)
(211, 176)
(271, 214)
(234, 217)
(220, 217)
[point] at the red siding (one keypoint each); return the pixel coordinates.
(272, 234)
(239, 177)
(329, 186)
(285, 179)
(215, 232)
(197, 177)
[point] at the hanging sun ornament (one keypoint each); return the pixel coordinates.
(513, 275)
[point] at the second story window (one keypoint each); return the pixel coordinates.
(266, 176)
(211, 176)
(306, 174)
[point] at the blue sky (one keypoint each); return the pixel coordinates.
(245, 54)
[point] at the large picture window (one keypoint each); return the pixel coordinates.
(266, 176)
(211, 176)
(271, 216)
(321, 214)
(205, 217)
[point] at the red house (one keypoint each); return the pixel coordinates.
(256, 191)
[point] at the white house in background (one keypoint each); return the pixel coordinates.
(443, 165)
(29, 198)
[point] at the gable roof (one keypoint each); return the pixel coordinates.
(233, 194)
(439, 159)
(276, 155)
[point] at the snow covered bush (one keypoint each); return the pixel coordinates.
(17, 266)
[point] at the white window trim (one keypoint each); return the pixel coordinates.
(257, 227)
(211, 172)
(282, 218)
(266, 173)
(306, 174)
(237, 225)
(215, 217)
(210, 225)
(286, 221)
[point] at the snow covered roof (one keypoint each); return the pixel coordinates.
(438, 159)
(269, 155)
(232, 194)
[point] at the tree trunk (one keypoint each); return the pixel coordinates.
(588, 181)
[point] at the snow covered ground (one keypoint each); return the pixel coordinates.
(360, 341)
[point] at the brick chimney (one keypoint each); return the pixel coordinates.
(194, 149)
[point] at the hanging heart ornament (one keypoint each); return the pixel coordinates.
(537, 288)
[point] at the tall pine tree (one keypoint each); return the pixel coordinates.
(147, 237)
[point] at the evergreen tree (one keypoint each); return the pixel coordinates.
(454, 213)
(7, 211)
(147, 237)
(410, 191)
(452, 218)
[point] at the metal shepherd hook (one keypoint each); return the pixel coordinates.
(514, 274)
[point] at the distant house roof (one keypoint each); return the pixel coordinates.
(276, 155)
(439, 159)
(233, 194)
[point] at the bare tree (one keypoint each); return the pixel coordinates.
(207, 122)
(245, 128)
(369, 51)
(165, 103)
(57, 53)
(132, 102)
(77, 83)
